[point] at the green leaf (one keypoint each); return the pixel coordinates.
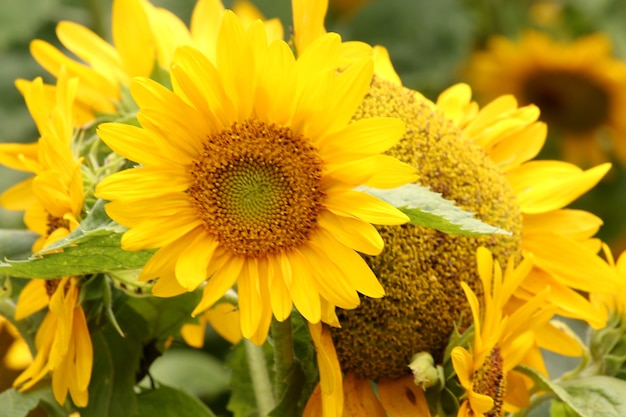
(92, 248)
(165, 316)
(429, 209)
(170, 402)
(559, 409)
(594, 396)
(116, 364)
(17, 404)
(195, 371)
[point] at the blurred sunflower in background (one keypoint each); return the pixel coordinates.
(579, 86)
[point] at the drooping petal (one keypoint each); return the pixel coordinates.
(402, 397)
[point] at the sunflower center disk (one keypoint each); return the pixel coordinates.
(256, 187)
(568, 101)
(420, 268)
(489, 380)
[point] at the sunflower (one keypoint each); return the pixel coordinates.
(142, 36)
(501, 342)
(501, 339)
(477, 158)
(16, 353)
(451, 143)
(223, 317)
(53, 200)
(247, 176)
(105, 69)
(579, 87)
(559, 239)
(63, 342)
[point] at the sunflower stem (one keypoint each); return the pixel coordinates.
(284, 356)
(261, 383)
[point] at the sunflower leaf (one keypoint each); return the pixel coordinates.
(93, 247)
(96, 255)
(17, 404)
(116, 366)
(429, 209)
(592, 396)
(167, 401)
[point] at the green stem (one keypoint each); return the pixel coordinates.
(261, 383)
(284, 355)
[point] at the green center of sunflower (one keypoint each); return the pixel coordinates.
(420, 268)
(256, 187)
(568, 101)
(489, 380)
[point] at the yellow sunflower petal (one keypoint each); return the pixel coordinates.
(402, 397)
(383, 67)
(308, 21)
(279, 274)
(302, 288)
(577, 224)
(364, 207)
(15, 155)
(197, 79)
(133, 212)
(358, 273)
(192, 264)
(95, 89)
(142, 236)
(519, 147)
(274, 100)
(361, 138)
(163, 262)
(133, 37)
(329, 368)
(170, 117)
(234, 58)
(556, 340)
(92, 49)
(570, 302)
(33, 298)
(205, 23)
(221, 281)
(84, 349)
(172, 31)
(167, 286)
(224, 318)
(250, 303)
(133, 142)
(331, 281)
(144, 182)
(571, 261)
(19, 197)
(354, 233)
(542, 186)
(359, 399)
